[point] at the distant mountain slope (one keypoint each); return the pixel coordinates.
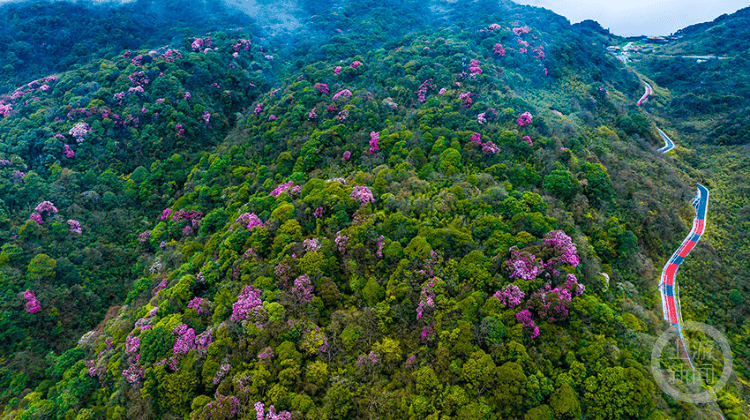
(40, 38)
(725, 35)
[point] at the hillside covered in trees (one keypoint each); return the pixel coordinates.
(399, 210)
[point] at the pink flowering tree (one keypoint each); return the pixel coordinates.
(510, 296)
(523, 265)
(75, 226)
(426, 297)
(249, 306)
(474, 67)
(345, 93)
(362, 194)
(303, 289)
(374, 138)
(423, 88)
(499, 50)
(322, 88)
(476, 138)
(80, 131)
(524, 119)
(32, 305)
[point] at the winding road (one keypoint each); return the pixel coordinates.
(668, 143)
(649, 91)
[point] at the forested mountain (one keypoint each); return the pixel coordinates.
(397, 210)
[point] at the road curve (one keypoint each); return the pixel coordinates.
(668, 283)
(649, 91)
(668, 143)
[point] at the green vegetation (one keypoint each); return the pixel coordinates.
(340, 227)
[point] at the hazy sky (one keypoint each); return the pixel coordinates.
(641, 17)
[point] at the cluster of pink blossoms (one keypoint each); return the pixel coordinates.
(337, 70)
(489, 147)
(426, 297)
(524, 119)
(474, 67)
(312, 115)
(355, 64)
(200, 305)
(527, 139)
(311, 245)
(303, 289)
(132, 343)
(272, 415)
(374, 138)
(75, 226)
(466, 97)
(258, 109)
(345, 92)
(79, 131)
(363, 359)
(5, 109)
(423, 88)
(522, 30)
(341, 241)
(563, 248)
(249, 306)
(476, 138)
(287, 187)
(69, 153)
(524, 265)
(185, 339)
(499, 50)
(322, 87)
(32, 305)
(346, 156)
(524, 318)
(343, 115)
(510, 296)
(200, 43)
(266, 354)
(362, 194)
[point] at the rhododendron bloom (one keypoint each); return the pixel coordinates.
(258, 109)
(442, 92)
(510, 296)
(374, 137)
(423, 88)
(426, 297)
(303, 289)
(248, 307)
(523, 265)
(481, 119)
(466, 97)
(490, 147)
(322, 87)
(476, 138)
(346, 156)
(312, 115)
(362, 194)
(474, 67)
(355, 64)
(271, 118)
(185, 339)
(69, 153)
(519, 31)
(206, 116)
(345, 92)
(527, 139)
(45, 206)
(494, 26)
(5, 110)
(288, 187)
(132, 343)
(522, 50)
(32, 305)
(524, 119)
(343, 115)
(341, 241)
(79, 131)
(337, 70)
(75, 226)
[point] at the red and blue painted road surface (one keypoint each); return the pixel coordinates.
(645, 95)
(668, 282)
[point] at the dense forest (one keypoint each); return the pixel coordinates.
(399, 210)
